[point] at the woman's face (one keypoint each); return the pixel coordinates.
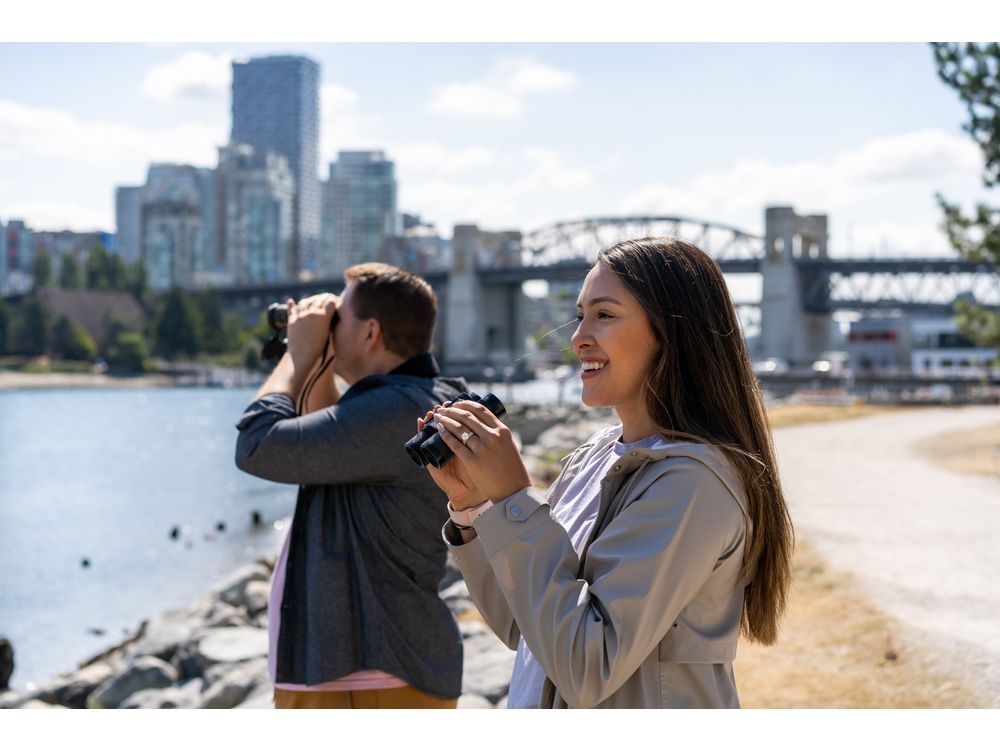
(614, 342)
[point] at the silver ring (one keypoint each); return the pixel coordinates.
(465, 437)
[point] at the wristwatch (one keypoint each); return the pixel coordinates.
(463, 518)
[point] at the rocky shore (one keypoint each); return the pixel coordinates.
(213, 653)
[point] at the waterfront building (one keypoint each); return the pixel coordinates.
(18, 256)
(922, 345)
(128, 222)
(359, 210)
(275, 107)
(256, 201)
(178, 224)
(57, 245)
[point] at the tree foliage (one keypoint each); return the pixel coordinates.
(128, 352)
(41, 270)
(69, 272)
(973, 71)
(71, 341)
(33, 331)
(178, 326)
(4, 327)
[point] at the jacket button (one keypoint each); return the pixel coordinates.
(635, 453)
(515, 512)
(618, 468)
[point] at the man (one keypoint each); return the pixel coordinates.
(354, 615)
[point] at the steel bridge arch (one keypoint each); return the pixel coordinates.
(582, 239)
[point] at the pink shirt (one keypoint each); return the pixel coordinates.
(366, 679)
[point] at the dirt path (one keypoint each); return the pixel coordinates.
(920, 540)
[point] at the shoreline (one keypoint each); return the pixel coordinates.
(901, 652)
(18, 381)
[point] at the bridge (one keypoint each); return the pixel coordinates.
(482, 307)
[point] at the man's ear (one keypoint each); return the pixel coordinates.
(373, 335)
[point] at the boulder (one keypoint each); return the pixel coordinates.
(232, 590)
(35, 703)
(256, 596)
(185, 695)
(223, 615)
(229, 686)
(488, 662)
(73, 689)
(143, 673)
(6, 663)
(213, 646)
(457, 597)
(163, 635)
(261, 697)
(473, 701)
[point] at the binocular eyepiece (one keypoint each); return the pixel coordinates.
(428, 447)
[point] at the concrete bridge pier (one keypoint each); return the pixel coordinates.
(483, 324)
(788, 330)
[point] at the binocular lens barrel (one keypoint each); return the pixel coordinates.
(428, 447)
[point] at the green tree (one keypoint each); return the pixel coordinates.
(117, 274)
(213, 338)
(41, 270)
(178, 326)
(69, 272)
(97, 269)
(71, 341)
(33, 332)
(973, 71)
(4, 327)
(137, 281)
(128, 352)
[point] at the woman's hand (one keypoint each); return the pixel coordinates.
(453, 479)
(487, 455)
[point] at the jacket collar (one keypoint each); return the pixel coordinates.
(421, 366)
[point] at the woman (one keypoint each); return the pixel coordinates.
(664, 537)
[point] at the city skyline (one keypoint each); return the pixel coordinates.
(517, 136)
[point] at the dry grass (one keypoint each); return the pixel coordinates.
(837, 650)
(968, 451)
(789, 415)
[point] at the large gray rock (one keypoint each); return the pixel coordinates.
(213, 646)
(256, 595)
(162, 636)
(223, 615)
(229, 686)
(6, 663)
(457, 597)
(232, 590)
(473, 701)
(142, 674)
(185, 695)
(488, 663)
(261, 697)
(73, 689)
(34, 703)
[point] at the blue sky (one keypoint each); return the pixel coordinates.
(522, 135)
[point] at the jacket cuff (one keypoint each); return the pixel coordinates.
(280, 404)
(511, 517)
(469, 556)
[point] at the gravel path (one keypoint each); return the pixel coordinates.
(923, 541)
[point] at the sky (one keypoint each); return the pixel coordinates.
(518, 136)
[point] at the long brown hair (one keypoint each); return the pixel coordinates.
(701, 387)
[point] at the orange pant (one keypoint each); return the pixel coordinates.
(403, 697)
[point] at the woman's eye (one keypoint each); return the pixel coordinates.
(579, 317)
(604, 314)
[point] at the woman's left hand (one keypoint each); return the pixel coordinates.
(488, 454)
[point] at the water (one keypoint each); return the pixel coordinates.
(104, 475)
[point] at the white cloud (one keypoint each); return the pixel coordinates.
(343, 125)
(520, 202)
(421, 159)
(501, 94)
(34, 131)
(880, 193)
(194, 75)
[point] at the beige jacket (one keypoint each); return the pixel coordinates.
(649, 615)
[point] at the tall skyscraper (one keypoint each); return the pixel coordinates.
(255, 199)
(128, 218)
(359, 209)
(276, 108)
(178, 218)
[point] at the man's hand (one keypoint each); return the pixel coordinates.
(309, 328)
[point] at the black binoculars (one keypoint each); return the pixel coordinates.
(427, 446)
(277, 321)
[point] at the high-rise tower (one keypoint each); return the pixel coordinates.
(275, 108)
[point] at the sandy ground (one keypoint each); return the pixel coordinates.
(920, 540)
(17, 380)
